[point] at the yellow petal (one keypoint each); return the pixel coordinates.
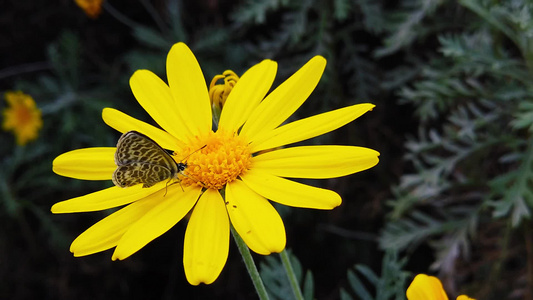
(88, 163)
(285, 99)
(124, 123)
(426, 287)
(464, 297)
(290, 193)
(106, 233)
(316, 161)
(206, 244)
(255, 219)
(171, 208)
(155, 97)
(310, 127)
(104, 199)
(189, 89)
(247, 94)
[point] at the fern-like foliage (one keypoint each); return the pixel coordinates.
(512, 191)
(276, 281)
(512, 18)
(472, 159)
(256, 10)
(389, 285)
(292, 31)
(405, 25)
(64, 55)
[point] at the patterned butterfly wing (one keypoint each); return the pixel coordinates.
(141, 160)
(137, 147)
(138, 172)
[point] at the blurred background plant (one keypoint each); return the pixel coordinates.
(452, 195)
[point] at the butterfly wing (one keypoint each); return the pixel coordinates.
(137, 147)
(141, 160)
(138, 172)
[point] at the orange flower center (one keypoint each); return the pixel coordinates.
(23, 115)
(214, 160)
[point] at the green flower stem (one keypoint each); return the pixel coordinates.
(292, 277)
(250, 265)
(119, 16)
(155, 16)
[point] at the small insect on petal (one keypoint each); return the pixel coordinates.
(139, 160)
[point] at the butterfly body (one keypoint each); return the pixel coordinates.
(139, 159)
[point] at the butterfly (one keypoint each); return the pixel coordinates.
(140, 159)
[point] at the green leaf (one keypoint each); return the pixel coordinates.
(389, 285)
(276, 281)
(358, 286)
(151, 38)
(342, 9)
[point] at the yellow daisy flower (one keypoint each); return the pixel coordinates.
(226, 180)
(426, 287)
(92, 8)
(22, 117)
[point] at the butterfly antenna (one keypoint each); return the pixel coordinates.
(185, 158)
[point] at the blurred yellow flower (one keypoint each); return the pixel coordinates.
(92, 8)
(226, 178)
(426, 287)
(22, 117)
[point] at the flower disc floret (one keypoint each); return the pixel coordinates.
(215, 160)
